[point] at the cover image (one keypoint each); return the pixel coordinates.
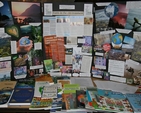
(5, 96)
(25, 83)
(80, 98)
(69, 101)
(38, 103)
(22, 96)
(135, 101)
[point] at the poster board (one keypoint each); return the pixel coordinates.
(21, 30)
(67, 33)
(117, 41)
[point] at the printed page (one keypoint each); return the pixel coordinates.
(116, 67)
(63, 26)
(86, 64)
(49, 26)
(76, 26)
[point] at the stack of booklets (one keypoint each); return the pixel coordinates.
(135, 101)
(106, 100)
(59, 94)
(23, 92)
(46, 94)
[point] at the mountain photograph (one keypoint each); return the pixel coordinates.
(26, 12)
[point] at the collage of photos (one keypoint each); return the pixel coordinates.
(65, 40)
(36, 42)
(21, 41)
(117, 38)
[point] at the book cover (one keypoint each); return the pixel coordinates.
(99, 101)
(57, 102)
(56, 78)
(71, 88)
(69, 101)
(22, 96)
(25, 83)
(112, 101)
(9, 85)
(48, 65)
(91, 98)
(50, 91)
(135, 101)
(80, 98)
(6, 91)
(44, 77)
(5, 96)
(39, 85)
(39, 103)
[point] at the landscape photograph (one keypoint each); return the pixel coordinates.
(6, 18)
(26, 12)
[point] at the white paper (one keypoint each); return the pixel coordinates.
(116, 67)
(5, 58)
(66, 6)
(34, 24)
(13, 47)
(103, 3)
(48, 9)
(36, 67)
(126, 31)
(38, 46)
(82, 40)
(77, 26)
(132, 62)
(107, 32)
(55, 73)
(71, 40)
(49, 26)
(2, 30)
(137, 36)
(38, 85)
(68, 59)
(85, 74)
(86, 64)
(88, 10)
(115, 86)
(50, 91)
(118, 79)
(88, 30)
(133, 4)
(82, 81)
(99, 54)
(63, 26)
(75, 74)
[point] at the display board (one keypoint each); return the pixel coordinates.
(100, 39)
(67, 34)
(117, 41)
(53, 38)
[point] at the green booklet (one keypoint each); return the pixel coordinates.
(71, 88)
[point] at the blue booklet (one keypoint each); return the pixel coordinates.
(135, 101)
(22, 96)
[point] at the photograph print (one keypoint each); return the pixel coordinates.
(6, 18)
(26, 12)
(119, 20)
(5, 76)
(133, 20)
